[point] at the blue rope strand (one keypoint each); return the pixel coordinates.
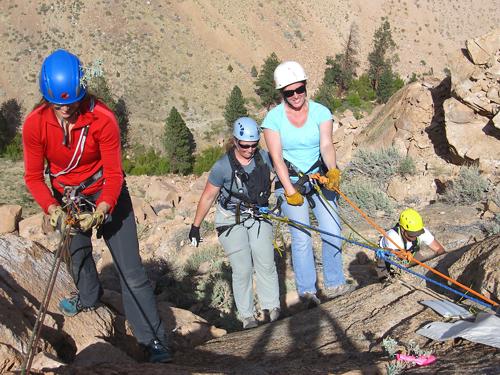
(485, 304)
(380, 253)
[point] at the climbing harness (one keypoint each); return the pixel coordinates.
(252, 189)
(80, 146)
(303, 179)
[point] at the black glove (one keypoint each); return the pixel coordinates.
(300, 184)
(194, 235)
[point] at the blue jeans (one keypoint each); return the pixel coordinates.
(302, 251)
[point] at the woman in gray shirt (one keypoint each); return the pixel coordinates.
(240, 181)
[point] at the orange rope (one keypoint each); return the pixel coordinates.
(403, 254)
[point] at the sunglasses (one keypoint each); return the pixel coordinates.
(253, 145)
(299, 90)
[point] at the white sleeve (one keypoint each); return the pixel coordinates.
(385, 242)
(426, 237)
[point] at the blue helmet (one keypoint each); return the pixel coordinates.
(60, 78)
(246, 129)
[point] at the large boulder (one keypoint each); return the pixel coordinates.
(471, 113)
(479, 268)
(475, 74)
(10, 214)
(24, 273)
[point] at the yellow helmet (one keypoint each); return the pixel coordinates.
(411, 221)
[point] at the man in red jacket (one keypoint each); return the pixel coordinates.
(79, 138)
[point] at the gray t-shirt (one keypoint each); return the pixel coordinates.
(221, 174)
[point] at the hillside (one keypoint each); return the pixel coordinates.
(158, 54)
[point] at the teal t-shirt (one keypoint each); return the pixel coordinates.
(300, 145)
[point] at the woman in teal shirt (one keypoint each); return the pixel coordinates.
(299, 131)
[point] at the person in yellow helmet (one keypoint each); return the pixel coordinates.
(408, 234)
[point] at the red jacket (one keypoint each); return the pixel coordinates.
(43, 139)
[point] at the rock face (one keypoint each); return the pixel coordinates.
(10, 214)
(341, 336)
(412, 123)
(479, 268)
(472, 122)
(24, 271)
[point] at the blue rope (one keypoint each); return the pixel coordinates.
(380, 253)
(485, 304)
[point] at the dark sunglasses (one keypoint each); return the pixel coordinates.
(289, 93)
(253, 145)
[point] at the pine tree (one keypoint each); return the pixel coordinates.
(349, 62)
(4, 138)
(122, 114)
(389, 83)
(179, 143)
(10, 122)
(379, 59)
(341, 70)
(100, 88)
(265, 82)
(235, 107)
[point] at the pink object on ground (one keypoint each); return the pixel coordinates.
(422, 360)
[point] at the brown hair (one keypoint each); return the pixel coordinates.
(44, 101)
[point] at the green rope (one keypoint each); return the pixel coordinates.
(322, 196)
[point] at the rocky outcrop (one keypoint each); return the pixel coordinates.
(472, 114)
(10, 214)
(479, 268)
(412, 124)
(24, 271)
(342, 336)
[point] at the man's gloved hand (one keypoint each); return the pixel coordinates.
(58, 219)
(194, 235)
(89, 220)
(333, 182)
(295, 199)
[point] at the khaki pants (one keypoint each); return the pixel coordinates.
(249, 247)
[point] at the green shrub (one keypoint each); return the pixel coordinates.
(366, 194)
(493, 227)
(216, 292)
(407, 166)
(469, 187)
(381, 164)
(202, 255)
(206, 159)
(353, 99)
(146, 162)
(14, 150)
(363, 87)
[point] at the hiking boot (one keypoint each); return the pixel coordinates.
(159, 353)
(250, 322)
(310, 299)
(71, 306)
(338, 291)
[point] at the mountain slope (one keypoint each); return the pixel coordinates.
(158, 54)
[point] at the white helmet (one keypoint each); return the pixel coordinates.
(288, 72)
